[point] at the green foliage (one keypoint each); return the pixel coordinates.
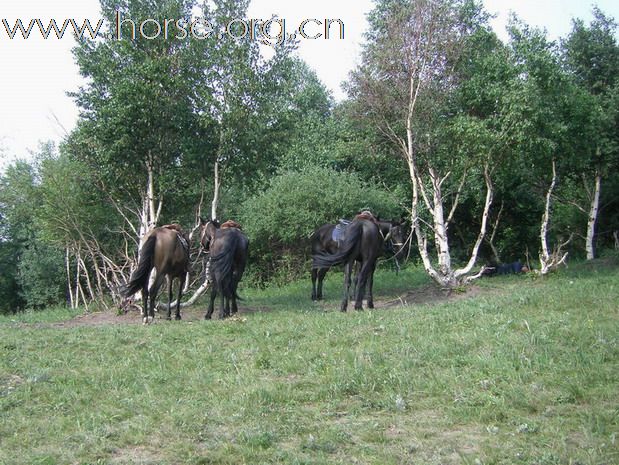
(591, 53)
(18, 199)
(42, 278)
(18, 202)
(47, 206)
(10, 298)
(138, 110)
(291, 159)
(280, 220)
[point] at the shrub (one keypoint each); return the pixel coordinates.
(280, 220)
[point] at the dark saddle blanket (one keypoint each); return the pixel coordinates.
(339, 231)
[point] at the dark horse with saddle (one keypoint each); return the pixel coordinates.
(362, 240)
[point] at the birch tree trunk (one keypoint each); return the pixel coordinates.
(495, 228)
(151, 206)
(593, 214)
(440, 229)
(463, 272)
(445, 275)
(550, 261)
(216, 180)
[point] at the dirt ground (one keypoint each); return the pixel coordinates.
(428, 294)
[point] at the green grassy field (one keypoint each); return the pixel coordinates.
(517, 371)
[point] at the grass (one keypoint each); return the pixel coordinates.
(525, 371)
(50, 315)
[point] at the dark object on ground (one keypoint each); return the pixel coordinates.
(506, 268)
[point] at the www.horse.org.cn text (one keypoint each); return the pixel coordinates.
(273, 31)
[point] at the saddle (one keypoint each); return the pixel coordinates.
(181, 238)
(230, 224)
(340, 230)
(173, 226)
(366, 215)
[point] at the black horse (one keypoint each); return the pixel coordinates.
(362, 242)
(327, 240)
(228, 247)
(166, 249)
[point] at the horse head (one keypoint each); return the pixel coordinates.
(396, 235)
(393, 234)
(207, 232)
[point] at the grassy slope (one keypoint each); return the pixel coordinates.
(527, 371)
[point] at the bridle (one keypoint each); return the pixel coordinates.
(389, 236)
(395, 244)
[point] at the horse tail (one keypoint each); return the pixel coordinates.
(141, 274)
(347, 247)
(221, 267)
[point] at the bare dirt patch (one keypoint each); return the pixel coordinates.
(428, 294)
(195, 313)
(425, 295)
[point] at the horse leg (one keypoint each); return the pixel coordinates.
(153, 291)
(314, 275)
(362, 279)
(234, 308)
(347, 273)
(170, 281)
(322, 272)
(370, 286)
(227, 306)
(145, 303)
(180, 294)
(222, 312)
(356, 268)
(211, 304)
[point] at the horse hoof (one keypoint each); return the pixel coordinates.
(207, 317)
(177, 317)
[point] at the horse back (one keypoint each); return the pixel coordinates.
(170, 254)
(228, 251)
(370, 245)
(322, 240)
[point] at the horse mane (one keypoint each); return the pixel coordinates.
(230, 224)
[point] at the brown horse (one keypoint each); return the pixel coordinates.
(166, 250)
(227, 246)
